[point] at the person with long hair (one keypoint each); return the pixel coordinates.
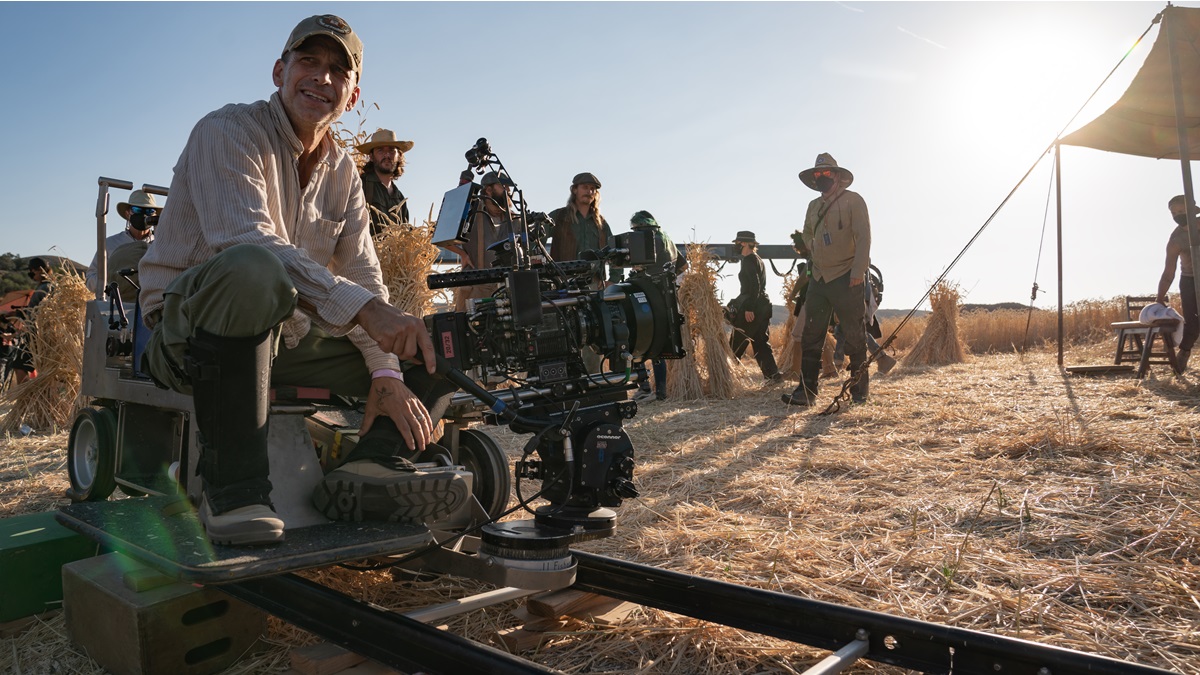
(386, 204)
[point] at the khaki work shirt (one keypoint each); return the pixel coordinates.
(839, 235)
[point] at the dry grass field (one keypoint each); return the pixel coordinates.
(999, 495)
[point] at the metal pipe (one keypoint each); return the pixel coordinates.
(1185, 163)
(842, 658)
(101, 233)
(1058, 200)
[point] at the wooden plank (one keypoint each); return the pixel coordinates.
(323, 659)
(516, 640)
(555, 604)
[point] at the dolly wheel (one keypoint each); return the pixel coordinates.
(91, 452)
(480, 454)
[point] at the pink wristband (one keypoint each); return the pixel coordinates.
(387, 372)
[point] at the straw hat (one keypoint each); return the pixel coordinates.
(825, 161)
(382, 139)
(137, 198)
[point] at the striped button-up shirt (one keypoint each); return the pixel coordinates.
(237, 182)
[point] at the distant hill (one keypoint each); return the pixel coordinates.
(994, 307)
(14, 270)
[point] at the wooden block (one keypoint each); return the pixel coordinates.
(518, 639)
(323, 659)
(608, 617)
(557, 603)
(177, 628)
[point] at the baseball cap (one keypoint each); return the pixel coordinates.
(336, 28)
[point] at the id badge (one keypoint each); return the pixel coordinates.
(828, 241)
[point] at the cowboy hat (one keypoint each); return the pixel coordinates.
(745, 235)
(825, 161)
(382, 139)
(137, 198)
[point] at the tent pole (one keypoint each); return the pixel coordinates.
(1185, 160)
(1058, 207)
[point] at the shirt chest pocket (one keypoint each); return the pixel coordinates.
(319, 238)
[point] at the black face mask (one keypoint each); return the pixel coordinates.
(1180, 218)
(142, 222)
(823, 184)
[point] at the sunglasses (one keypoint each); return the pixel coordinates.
(143, 211)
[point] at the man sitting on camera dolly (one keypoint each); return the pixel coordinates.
(267, 237)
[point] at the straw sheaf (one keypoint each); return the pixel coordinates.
(706, 324)
(940, 344)
(406, 257)
(49, 401)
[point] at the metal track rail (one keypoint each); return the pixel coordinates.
(389, 638)
(409, 645)
(919, 645)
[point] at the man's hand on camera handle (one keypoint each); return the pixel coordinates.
(392, 398)
(397, 332)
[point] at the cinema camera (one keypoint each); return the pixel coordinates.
(530, 333)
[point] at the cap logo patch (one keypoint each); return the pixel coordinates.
(333, 23)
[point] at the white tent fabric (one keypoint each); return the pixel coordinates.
(1143, 121)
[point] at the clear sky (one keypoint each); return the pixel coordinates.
(702, 113)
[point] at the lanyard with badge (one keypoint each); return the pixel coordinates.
(821, 213)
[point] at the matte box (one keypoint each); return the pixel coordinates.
(33, 549)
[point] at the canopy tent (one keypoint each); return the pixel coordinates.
(1158, 116)
(1143, 121)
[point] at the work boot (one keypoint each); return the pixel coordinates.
(860, 389)
(392, 490)
(229, 377)
(245, 525)
(380, 482)
(798, 397)
(886, 363)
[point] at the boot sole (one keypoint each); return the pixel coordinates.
(411, 498)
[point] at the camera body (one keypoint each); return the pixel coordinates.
(530, 333)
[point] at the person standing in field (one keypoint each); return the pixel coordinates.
(1179, 250)
(751, 309)
(579, 227)
(837, 232)
(386, 203)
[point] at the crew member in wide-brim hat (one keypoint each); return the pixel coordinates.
(137, 198)
(382, 139)
(825, 163)
(745, 235)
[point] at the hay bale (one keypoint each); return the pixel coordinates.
(706, 325)
(941, 343)
(49, 401)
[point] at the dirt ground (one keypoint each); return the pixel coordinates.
(999, 495)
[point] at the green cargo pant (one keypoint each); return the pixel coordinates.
(240, 292)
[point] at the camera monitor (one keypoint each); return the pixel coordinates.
(452, 224)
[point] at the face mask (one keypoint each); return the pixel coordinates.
(824, 183)
(1180, 218)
